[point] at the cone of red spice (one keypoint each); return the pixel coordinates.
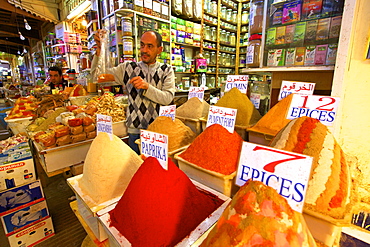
(159, 207)
(215, 149)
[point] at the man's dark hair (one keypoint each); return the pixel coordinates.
(157, 36)
(56, 68)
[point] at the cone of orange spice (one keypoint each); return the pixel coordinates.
(215, 149)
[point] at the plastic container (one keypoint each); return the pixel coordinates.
(128, 45)
(18, 125)
(256, 16)
(253, 51)
(260, 96)
(126, 26)
(224, 184)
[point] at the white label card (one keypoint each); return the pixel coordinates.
(222, 116)
(104, 124)
(287, 172)
(289, 87)
(322, 108)
(197, 92)
(238, 81)
(155, 145)
(168, 111)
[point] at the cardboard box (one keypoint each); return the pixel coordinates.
(224, 184)
(33, 235)
(19, 197)
(25, 217)
(17, 173)
(117, 240)
(17, 153)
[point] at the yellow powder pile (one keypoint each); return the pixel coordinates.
(275, 119)
(193, 108)
(179, 135)
(247, 114)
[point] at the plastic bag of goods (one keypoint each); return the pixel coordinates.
(102, 74)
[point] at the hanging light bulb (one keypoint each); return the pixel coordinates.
(84, 22)
(21, 36)
(26, 25)
(24, 50)
(19, 52)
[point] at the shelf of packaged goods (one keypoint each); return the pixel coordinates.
(230, 22)
(208, 40)
(125, 11)
(210, 23)
(187, 45)
(209, 49)
(300, 68)
(227, 44)
(229, 6)
(229, 52)
(210, 14)
(180, 72)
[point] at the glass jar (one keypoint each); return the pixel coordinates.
(253, 51)
(232, 59)
(148, 7)
(223, 12)
(212, 58)
(157, 8)
(234, 17)
(128, 45)
(245, 17)
(227, 37)
(214, 7)
(229, 14)
(126, 4)
(139, 5)
(227, 59)
(232, 39)
(207, 56)
(256, 16)
(260, 96)
(126, 26)
(223, 36)
(213, 33)
(207, 32)
(165, 10)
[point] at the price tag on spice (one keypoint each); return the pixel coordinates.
(287, 172)
(322, 108)
(104, 124)
(155, 145)
(168, 111)
(197, 92)
(297, 87)
(222, 116)
(238, 81)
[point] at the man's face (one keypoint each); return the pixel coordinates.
(149, 48)
(55, 78)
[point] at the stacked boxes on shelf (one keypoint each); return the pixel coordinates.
(305, 34)
(23, 209)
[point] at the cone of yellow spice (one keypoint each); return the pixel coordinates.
(275, 119)
(247, 114)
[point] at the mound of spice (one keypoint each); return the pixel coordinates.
(275, 119)
(159, 207)
(215, 149)
(179, 135)
(247, 114)
(193, 108)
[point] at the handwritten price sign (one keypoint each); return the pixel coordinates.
(223, 116)
(155, 145)
(168, 111)
(289, 87)
(104, 124)
(197, 92)
(238, 81)
(322, 108)
(287, 172)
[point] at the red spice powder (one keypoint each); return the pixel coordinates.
(215, 149)
(159, 207)
(304, 133)
(339, 199)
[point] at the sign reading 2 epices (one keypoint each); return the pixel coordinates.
(155, 145)
(287, 172)
(322, 108)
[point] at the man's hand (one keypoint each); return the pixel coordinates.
(139, 83)
(97, 36)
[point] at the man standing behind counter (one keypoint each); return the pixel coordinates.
(149, 84)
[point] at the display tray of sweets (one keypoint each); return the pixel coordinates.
(170, 154)
(116, 238)
(241, 130)
(222, 183)
(193, 123)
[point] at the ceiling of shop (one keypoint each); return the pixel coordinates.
(12, 21)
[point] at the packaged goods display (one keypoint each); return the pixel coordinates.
(109, 163)
(215, 149)
(329, 190)
(179, 135)
(161, 206)
(262, 217)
